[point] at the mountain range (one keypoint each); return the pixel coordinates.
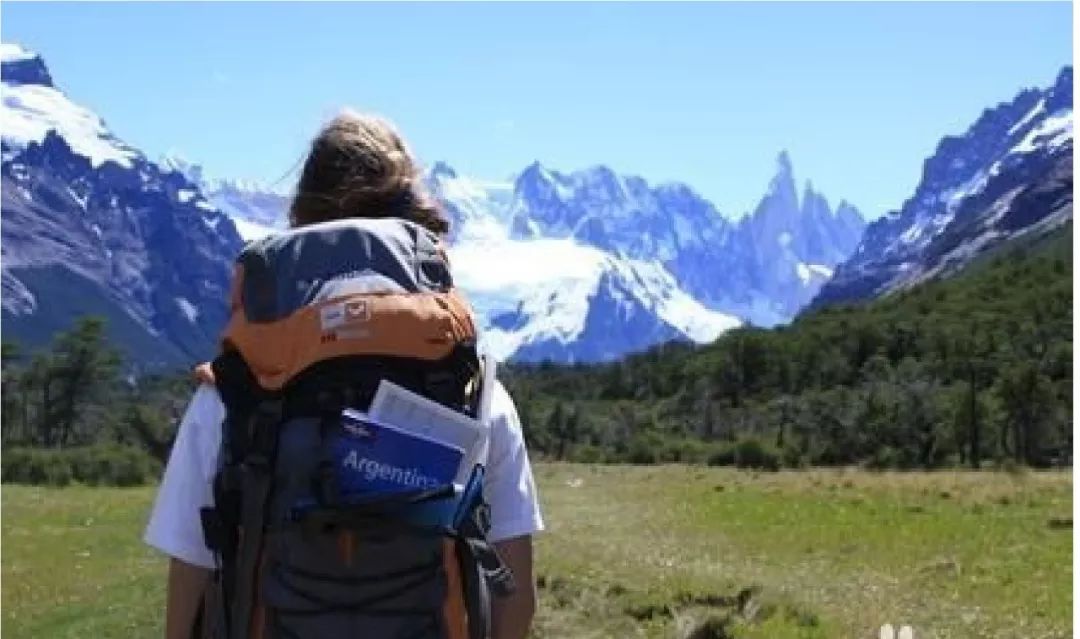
(603, 264)
(581, 266)
(1008, 175)
(90, 226)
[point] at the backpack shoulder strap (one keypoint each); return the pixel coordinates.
(241, 487)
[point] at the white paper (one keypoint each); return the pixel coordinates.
(487, 390)
(414, 413)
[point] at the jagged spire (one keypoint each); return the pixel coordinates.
(783, 163)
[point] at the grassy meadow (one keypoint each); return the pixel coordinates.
(667, 551)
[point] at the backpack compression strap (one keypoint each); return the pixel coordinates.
(241, 490)
(257, 479)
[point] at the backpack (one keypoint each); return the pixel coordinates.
(319, 316)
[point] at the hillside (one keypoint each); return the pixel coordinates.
(92, 227)
(1009, 174)
(962, 370)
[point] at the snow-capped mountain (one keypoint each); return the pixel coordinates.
(536, 297)
(763, 269)
(581, 266)
(575, 249)
(603, 231)
(256, 209)
(541, 294)
(562, 300)
(476, 208)
(91, 226)
(1009, 174)
(33, 106)
(796, 243)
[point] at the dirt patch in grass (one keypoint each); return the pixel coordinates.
(691, 614)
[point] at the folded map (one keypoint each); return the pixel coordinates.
(376, 457)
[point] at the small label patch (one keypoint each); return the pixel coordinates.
(332, 316)
(356, 428)
(357, 311)
(336, 315)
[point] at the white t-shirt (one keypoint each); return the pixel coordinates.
(175, 526)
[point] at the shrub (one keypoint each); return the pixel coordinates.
(17, 465)
(102, 465)
(752, 453)
(884, 458)
(687, 451)
(792, 457)
(721, 455)
(588, 454)
(653, 447)
(36, 466)
(57, 473)
(646, 448)
(1013, 467)
(641, 452)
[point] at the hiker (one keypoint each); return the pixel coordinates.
(358, 170)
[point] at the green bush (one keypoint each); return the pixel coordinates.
(792, 457)
(16, 463)
(103, 465)
(686, 451)
(1012, 467)
(645, 448)
(588, 454)
(722, 455)
(41, 467)
(653, 447)
(58, 473)
(752, 453)
(884, 458)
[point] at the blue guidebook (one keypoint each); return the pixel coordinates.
(374, 457)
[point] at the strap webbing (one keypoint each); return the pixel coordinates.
(258, 475)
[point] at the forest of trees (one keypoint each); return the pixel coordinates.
(970, 370)
(69, 413)
(974, 370)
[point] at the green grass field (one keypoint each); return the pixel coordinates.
(654, 552)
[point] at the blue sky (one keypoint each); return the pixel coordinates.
(703, 93)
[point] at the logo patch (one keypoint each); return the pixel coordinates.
(357, 310)
(332, 316)
(357, 429)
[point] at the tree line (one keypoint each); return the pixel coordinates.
(968, 370)
(70, 412)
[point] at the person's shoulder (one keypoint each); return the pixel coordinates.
(504, 414)
(206, 403)
(502, 404)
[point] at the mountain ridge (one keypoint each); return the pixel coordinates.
(643, 262)
(91, 224)
(967, 187)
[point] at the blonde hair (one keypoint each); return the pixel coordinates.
(359, 166)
